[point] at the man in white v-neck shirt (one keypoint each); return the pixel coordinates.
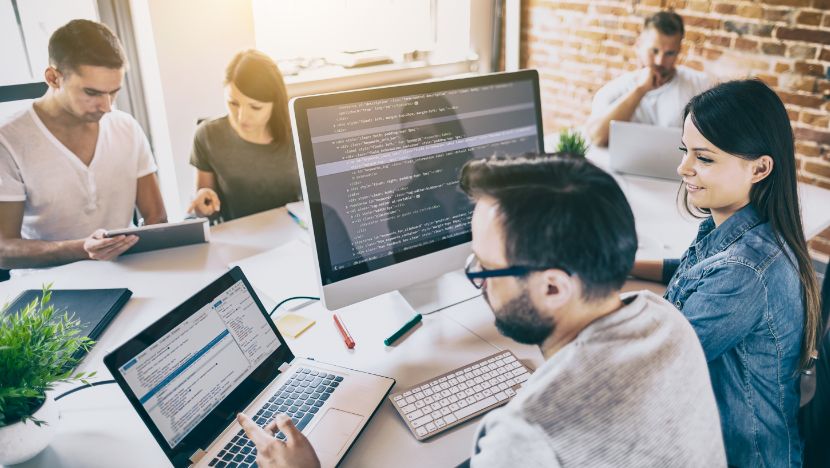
(654, 94)
(72, 167)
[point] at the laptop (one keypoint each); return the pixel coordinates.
(219, 353)
(644, 150)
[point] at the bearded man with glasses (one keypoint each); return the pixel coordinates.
(625, 381)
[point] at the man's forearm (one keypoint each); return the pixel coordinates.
(651, 270)
(25, 253)
(622, 109)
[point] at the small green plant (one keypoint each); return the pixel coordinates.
(38, 348)
(572, 143)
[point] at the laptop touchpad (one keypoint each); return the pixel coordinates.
(333, 432)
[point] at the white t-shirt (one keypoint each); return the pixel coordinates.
(64, 199)
(662, 106)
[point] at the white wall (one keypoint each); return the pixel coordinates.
(184, 46)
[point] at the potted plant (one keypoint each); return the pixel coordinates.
(38, 349)
(571, 144)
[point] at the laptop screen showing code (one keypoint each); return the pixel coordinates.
(181, 377)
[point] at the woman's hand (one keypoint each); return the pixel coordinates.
(205, 203)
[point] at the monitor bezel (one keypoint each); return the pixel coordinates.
(223, 415)
(447, 256)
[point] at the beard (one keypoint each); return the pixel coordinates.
(521, 321)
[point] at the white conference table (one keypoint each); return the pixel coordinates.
(100, 428)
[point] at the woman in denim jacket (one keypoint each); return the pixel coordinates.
(746, 283)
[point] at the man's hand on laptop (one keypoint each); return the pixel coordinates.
(296, 451)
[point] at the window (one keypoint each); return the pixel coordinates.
(25, 28)
(298, 36)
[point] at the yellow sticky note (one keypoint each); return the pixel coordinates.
(293, 325)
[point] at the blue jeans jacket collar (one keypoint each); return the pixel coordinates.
(711, 240)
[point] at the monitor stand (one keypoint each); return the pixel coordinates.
(439, 293)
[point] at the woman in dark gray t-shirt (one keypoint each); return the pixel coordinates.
(245, 161)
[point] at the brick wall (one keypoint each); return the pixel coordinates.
(578, 45)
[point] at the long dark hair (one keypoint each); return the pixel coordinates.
(745, 118)
(259, 78)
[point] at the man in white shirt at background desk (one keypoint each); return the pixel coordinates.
(655, 94)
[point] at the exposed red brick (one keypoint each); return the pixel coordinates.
(801, 3)
(806, 35)
(748, 29)
(777, 15)
(812, 69)
(746, 44)
(821, 4)
(810, 18)
(803, 83)
(781, 67)
(816, 136)
(825, 55)
(771, 81)
(808, 149)
(724, 8)
(801, 51)
(822, 170)
(703, 22)
(697, 6)
(694, 37)
(816, 120)
(802, 100)
(750, 11)
(723, 41)
(773, 48)
(612, 10)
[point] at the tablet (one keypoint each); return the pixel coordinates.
(166, 235)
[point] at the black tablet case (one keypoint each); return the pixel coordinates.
(94, 308)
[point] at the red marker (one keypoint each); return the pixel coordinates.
(343, 332)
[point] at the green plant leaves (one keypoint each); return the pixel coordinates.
(37, 350)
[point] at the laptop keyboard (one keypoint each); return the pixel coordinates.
(448, 400)
(301, 397)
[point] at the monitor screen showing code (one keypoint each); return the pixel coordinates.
(387, 169)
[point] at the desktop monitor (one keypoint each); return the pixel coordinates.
(380, 167)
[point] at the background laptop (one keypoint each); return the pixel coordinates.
(189, 374)
(644, 150)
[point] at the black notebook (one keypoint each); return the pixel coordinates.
(94, 308)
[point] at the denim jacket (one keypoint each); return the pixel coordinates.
(742, 294)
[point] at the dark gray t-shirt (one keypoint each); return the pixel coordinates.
(250, 177)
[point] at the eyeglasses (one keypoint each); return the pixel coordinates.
(477, 274)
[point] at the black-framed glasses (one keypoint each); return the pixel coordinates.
(477, 274)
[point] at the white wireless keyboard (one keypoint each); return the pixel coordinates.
(450, 399)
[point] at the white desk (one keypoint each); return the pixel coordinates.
(100, 428)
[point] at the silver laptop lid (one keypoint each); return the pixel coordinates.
(645, 150)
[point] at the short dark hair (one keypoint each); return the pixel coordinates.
(83, 42)
(667, 23)
(560, 212)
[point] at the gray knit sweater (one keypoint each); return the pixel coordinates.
(631, 390)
